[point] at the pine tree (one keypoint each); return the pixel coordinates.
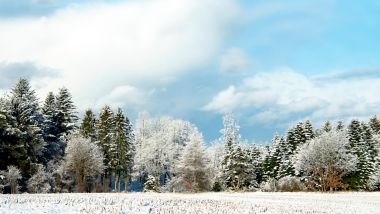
(88, 126)
(375, 124)
(25, 120)
(367, 156)
(121, 144)
(285, 166)
(272, 160)
(238, 171)
(340, 126)
(308, 130)
(327, 127)
(105, 130)
(66, 112)
(256, 160)
(356, 143)
(51, 132)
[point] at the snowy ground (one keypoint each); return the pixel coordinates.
(192, 203)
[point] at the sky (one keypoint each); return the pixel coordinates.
(270, 63)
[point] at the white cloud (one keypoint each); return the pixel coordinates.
(285, 95)
(143, 43)
(234, 60)
(125, 95)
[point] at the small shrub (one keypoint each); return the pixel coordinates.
(270, 186)
(217, 187)
(290, 184)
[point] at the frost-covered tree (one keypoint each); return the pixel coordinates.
(121, 150)
(215, 153)
(40, 181)
(66, 112)
(286, 167)
(193, 172)
(374, 123)
(362, 146)
(11, 177)
(327, 127)
(159, 144)
(104, 135)
(256, 159)
(272, 160)
(25, 128)
(308, 130)
(51, 132)
(88, 126)
(84, 159)
(151, 184)
(340, 126)
(238, 171)
(327, 158)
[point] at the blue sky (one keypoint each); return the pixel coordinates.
(271, 63)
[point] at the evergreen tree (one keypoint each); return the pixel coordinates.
(119, 151)
(256, 160)
(286, 166)
(308, 130)
(340, 126)
(374, 122)
(238, 171)
(88, 126)
(359, 137)
(272, 160)
(327, 127)
(66, 112)
(25, 132)
(105, 130)
(51, 132)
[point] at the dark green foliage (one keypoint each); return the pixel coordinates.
(25, 144)
(66, 112)
(217, 187)
(88, 126)
(374, 123)
(51, 132)
(327, 127)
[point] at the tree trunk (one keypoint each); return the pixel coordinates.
(125, 182)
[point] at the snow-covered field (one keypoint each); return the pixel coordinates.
(192, 203)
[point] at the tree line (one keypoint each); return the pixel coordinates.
(46, 148)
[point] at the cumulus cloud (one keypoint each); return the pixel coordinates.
(125, 95)
(99, 46)
(234, 60)
(285, 95)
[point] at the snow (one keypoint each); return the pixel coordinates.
(259, 202)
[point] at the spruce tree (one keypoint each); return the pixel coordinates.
(88, 126)
(374, 122)
(105, 130)
(25, 120)
(285, 165)
(355, 137)
(119, 151)
(272, 160)
(66, 112)
(327, 127)
(55, 147)
(340, 126)
(308, 130)
(238, 171)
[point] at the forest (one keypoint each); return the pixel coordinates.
(46, 148)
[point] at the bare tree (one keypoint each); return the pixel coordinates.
(327, 158)
(84, 159)
(11, 178)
